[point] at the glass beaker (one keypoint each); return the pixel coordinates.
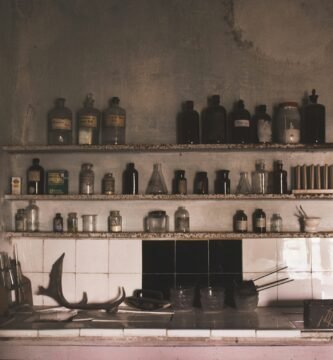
(260, 178)
(243, 186)
(156, 184)
(289, 123)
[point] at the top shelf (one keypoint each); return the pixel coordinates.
(164, 148)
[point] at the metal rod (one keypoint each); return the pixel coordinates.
(268, 287)
(272, 272)
(271, 283)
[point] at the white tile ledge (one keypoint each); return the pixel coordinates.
(188, 333)
(235, 333)
(18, 333)
(278, 333)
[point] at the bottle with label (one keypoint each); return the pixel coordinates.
(180, 183)
(87, 177)
(240, 222)
(35, 178)
(115, 221)
(108, 184)
(260, 178)
(314, 121)
(201, 183)
(279, 179)
(114, 123)
(262, 124)
(156, 184)
(241, 124)
(88, 123)
(182, 220)
(188, 125)
(214, 123)
(58, 223)
(259, 221)
(32, 213)
(222, 183)
(72, 222)
(130, 180)
(60, 124)
(289, 123)
(276, 223)
(21, 220)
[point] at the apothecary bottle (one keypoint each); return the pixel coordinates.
(114, 123)
(243, 186)
(21, 220)
(115, 221)
(240, 222)
(314, 121)
(180, 183)
(240, 124)
(130, 180)
(222, 184)
(259, 221)
(201, 183)
(279, 179)
(260, 178)
(88, 123)
(262, 125)
(35, 178)
(72, 222)
(156, 184)
(182, 220)
(60, 124)
(188, 124)
(276, 223)
(108, 184)
(32, 213)
(87, 178)
(214, 123)
(58, 223)
(289, 123)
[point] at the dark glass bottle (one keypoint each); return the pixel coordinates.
(279, 179)
(58, 223)
(188, 125)
(35, 178)
(214, 123)
(222, 183)
(201, 183)
(88, 123)
(114, 123)
(240, 222)
(314, 121)
(262, 126)
(259, 221)
(180, 183)
(130, 180)
(240, 124)
(60, 124)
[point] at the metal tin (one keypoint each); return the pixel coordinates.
(57, 182)
(89, 223)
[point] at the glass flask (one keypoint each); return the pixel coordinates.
(60, 124)
(72, 222)
(87, 177)
(214, 123)
(180, 183)
(182, 220)
(240, 221)
(114, 123)
(262, 124)
(314, 121)
(276, 223)
(241, 124)
(157, 221)
(35, 178)
(156, 183)
(32, 213)
(243, 186)
(88, 123)
(108, 184)
(130, 180)
(201, 183)
(259, 221)
(289, 123)
(260, 178)
(279, 179)
(222, 184)
(115, 221)
(188, 125)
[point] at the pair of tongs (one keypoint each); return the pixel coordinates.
(301, 212)
(272, 283)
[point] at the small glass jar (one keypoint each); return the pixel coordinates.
(259, 221)
(182, 220)
(58, 223)
(260, 178)
(180, 183)
(32, 213)
(108, 184)
(201, 183)
(115, 221)
(276, 223)
(289, 123)
(72, 222)
(20, 220)
(157, 221)
(87, 178)
(240, 222)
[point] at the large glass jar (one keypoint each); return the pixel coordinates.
(188, 125)
(289, 123)
(114, 123)
(88, 123)
(260, 178)
(32, 213)
(60, 124)
(87, 178)
(157, 221)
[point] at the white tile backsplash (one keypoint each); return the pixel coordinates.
(322, 285)
(130, 282)
(95, 285)
(54, 248)
(294, 253)
(92, 256)
(125, 256)
(30, 254)
(322, 254)
(293, 293)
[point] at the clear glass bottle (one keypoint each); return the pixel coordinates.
(87, 177)
(201, 183)
(88, 123)
(115, 221)
(259, 221)
(289, 123)
(182, 220)
(241, 124)
(60, 124)
(58, 223)
(114, 123)
(214, 123)
(72, 222)
(279, 179)
(262, 123)
(260, 178)
(243, 186)
(130, 180)
(222, 183)
(156, 184)
(35, 178)
(32, 213)
(180, 183)
(20, 220)
(276, 223)
(188, 125)
(108, 184)
(240, 222)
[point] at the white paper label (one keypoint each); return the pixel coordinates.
(242, 123)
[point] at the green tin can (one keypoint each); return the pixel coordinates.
(57, 182)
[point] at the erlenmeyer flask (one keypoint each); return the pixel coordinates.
(243, 186)
(156, 184)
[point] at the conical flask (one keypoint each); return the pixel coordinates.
(243, 186)
(156, 184)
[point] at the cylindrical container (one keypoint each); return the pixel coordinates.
(60, 124)
(240, 222)
(260, 178)
(87, 178)
(279, 179)
(130, 180)
(241, 124)
(289, 123)
(182, 220)
(114, 123)
(259, 221)
(201, 183)
(115, 221)
(21, 220)
(212, 298)
(32, 213)
(72, 222)
(157, 221)
(182, 298)
(35, 178)
(276, 223)
(108, 184)
(89, 223)
(58, 223)
(180, 182)
(262, 123)
(188, 125)
(222, 184)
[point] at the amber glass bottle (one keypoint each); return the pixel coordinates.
(241, 124)
(188, 125)
(35, 178)
(60, 124)
(114, 123)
